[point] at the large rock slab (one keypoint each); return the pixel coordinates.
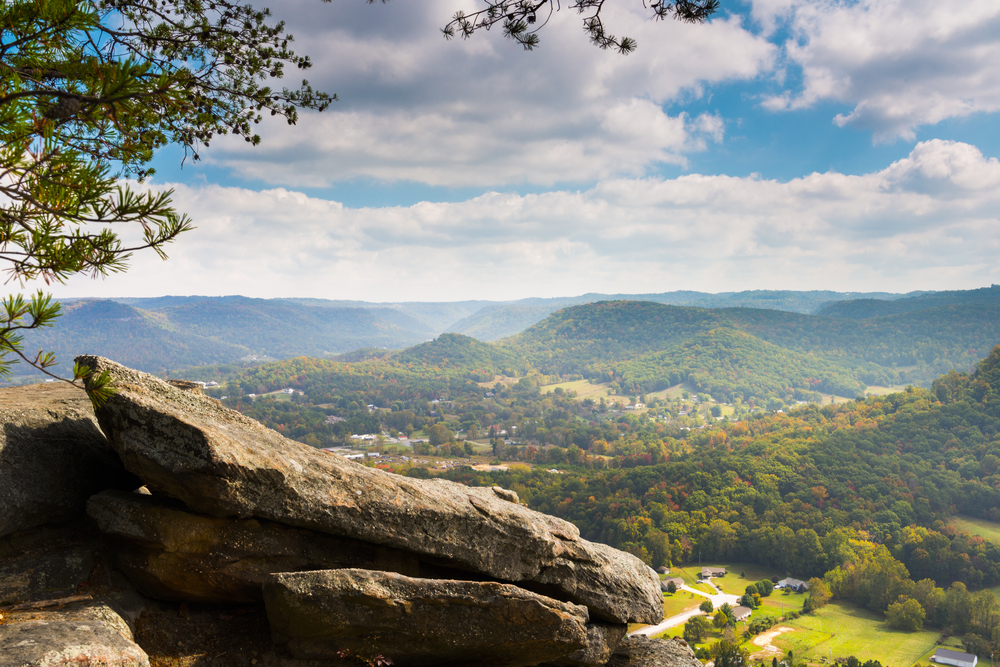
(171, 554)
(322, 614)
(639, 651)
(221, 463)
(56, 643)
(90, 629)
(53, 456)
(61, 572)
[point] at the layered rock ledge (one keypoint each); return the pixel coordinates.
(223, 464)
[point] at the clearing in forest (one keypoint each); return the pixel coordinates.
(988, 530)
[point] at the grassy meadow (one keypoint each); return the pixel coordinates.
(841, 630)
(988, 530)
(585, 389)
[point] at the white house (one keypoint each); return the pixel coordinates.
(947, 657)
(741, 613)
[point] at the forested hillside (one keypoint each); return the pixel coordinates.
(868, 307)
(180, 332)
(138, 338)
(646, 346)
(858, 494)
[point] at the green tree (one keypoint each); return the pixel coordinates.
(89, 89)
(696, 629)
(658, 544)
(907, 615)
(439, 435)
(819, 595)
(729, 654)
(706, 606)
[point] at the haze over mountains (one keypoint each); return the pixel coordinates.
(917, 336)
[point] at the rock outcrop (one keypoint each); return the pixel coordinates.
(59, 603)
(172, 554)
(251, 548)
(641, 651)
(53, 456)
(419, 621)
(223, 464)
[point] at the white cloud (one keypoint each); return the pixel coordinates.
(929, 221)
(901, 64)
(481, 112)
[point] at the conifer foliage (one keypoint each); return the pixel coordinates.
(89, 89)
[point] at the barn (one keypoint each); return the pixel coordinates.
(947, 657)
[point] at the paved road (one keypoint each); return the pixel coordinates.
(718, 599)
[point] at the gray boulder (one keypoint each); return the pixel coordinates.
(330, 613)
(172, 554)
(602, 640)
(53, 456)
(221, 463)
(639, 651)
(45, 642)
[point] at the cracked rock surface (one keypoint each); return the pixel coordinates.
(419, 621)
(223, 464)
(53, 456)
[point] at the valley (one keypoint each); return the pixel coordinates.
(780, 443)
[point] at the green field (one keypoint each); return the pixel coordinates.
(839, 630)
(735, 583)
(585, 389)
(988, 530)
(692, 573)
(680, 602)
(876, 390)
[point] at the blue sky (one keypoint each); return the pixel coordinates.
(786, 144)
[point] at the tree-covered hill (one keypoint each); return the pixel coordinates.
(460, 353)
(639, 341)
(180, 332)
(277, 329)
(790, 490)
(860, 309)
(492, 323)
(731, 365)
(134, 337)
(495, 321)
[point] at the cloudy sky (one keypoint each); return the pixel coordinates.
(785, 144)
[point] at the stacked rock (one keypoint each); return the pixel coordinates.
(346, 560)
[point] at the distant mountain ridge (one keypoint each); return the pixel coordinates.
(173, 332)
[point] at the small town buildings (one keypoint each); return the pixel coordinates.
(741, 613)
(663, 569)
(708, 572)
(948, 657)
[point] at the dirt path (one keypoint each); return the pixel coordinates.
(764, 642)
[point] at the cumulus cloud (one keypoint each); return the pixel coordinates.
(482, 112)
(901, 64)
(928, 221)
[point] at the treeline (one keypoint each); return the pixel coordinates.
(788, 491)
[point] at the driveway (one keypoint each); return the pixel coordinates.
(718, 599)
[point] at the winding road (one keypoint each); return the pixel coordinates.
(718, 600)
